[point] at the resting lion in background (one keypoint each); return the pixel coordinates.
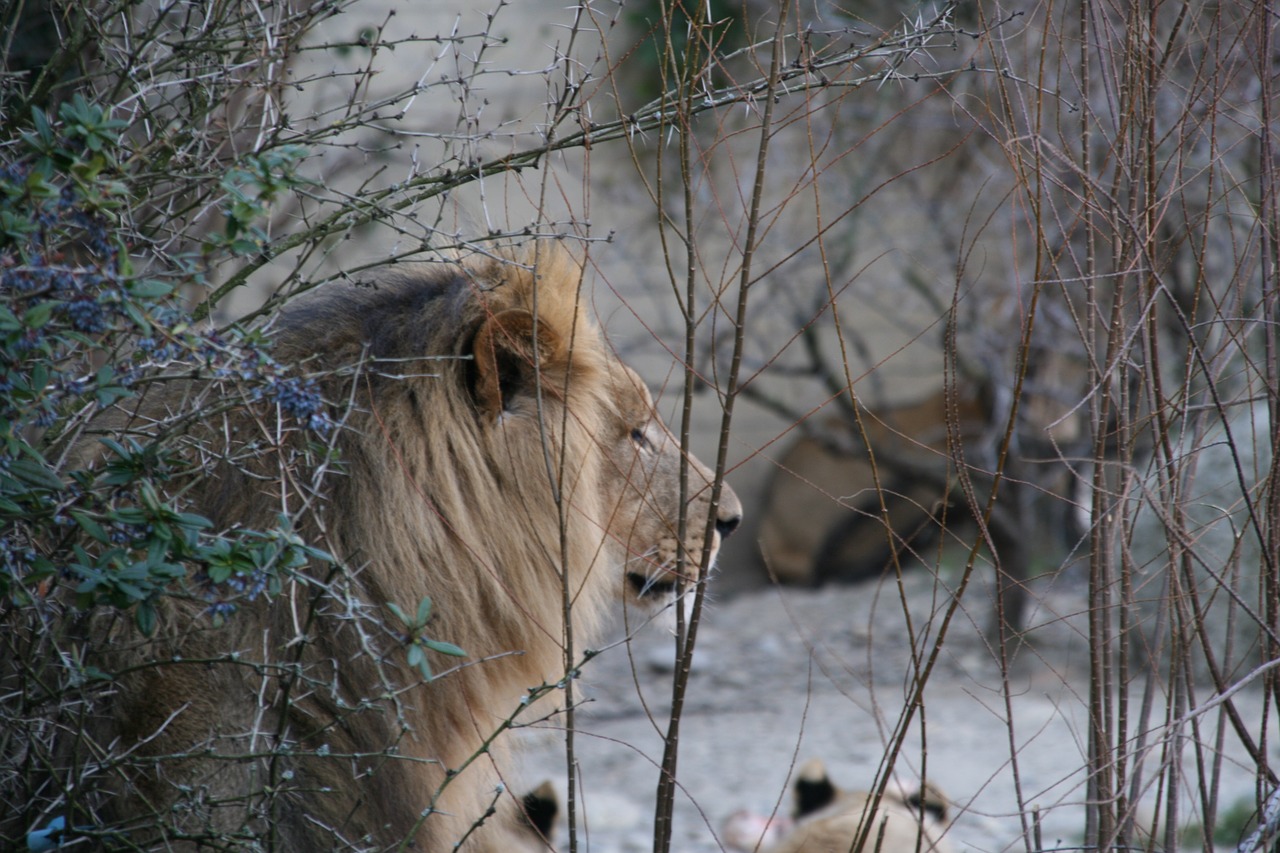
(830, 516)
(496, 457)
(823, 521)
(828, 820)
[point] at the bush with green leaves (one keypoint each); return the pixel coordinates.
(83, 328)
(105, 311)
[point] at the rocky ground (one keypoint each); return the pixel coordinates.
(786, 674)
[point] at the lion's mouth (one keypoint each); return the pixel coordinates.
(662, 581)
(644, 585)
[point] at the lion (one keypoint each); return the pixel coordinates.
(828, 820)
(824, 491)
(493, 456)
(830, 516)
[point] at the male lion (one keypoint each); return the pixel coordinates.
(494, 456)
(828, 820)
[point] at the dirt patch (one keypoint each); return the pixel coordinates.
(785, 674)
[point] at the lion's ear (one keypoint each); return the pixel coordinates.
(929, 801)
(813, 788)
(504, 352)
(540, 808)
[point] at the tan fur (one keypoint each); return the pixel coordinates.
(902, 822)
(829, 515)
(507, 473)
(826, 481)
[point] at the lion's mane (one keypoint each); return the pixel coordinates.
(464, 474)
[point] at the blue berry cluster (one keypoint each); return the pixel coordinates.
(60, 291)
(225, 598)
(298, 397)
(16, 555)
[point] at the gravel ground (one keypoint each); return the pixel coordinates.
(782, 675)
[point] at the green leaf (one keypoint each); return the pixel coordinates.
(126, 593)
(444, 648)
(292, 558)
(150, 499)
(38, 315)
(417, 658)
(157, 550)
(90, 583)
(95, 674)
(394, 608)
(106, 395)
(115, 447)
(151, 288)
(34, 473)
(89, 526)
(135, 314)
(145, 616)
(39, 376)
(191, 520)
(131, 515)
(41, 122)
(318, 554)
(424, 611)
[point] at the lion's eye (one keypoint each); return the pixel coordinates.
(641, 440)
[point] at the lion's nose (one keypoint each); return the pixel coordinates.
(726, 524)
(728, 513)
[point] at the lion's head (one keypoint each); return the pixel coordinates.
(494, 456)
(550, 429)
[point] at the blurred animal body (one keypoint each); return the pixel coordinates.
(844, 505)
(828, 820)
